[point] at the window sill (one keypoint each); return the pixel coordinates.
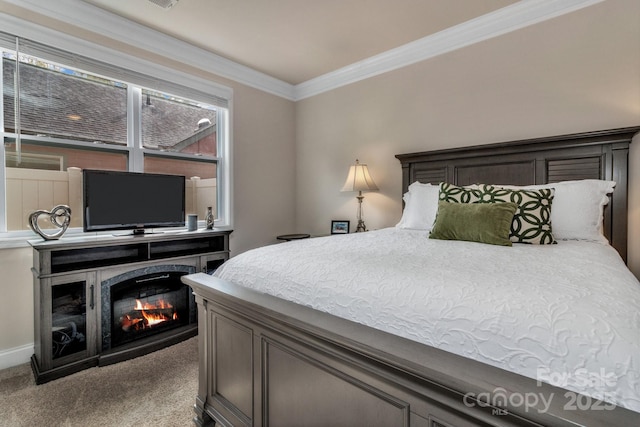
(14, 242)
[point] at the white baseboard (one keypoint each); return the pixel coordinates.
(16, 356)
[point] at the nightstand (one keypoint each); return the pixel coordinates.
(289, 237)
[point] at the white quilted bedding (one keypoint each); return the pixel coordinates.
(568, 314)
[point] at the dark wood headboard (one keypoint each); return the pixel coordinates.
(591, 155)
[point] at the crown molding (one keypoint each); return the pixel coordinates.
(511, 18)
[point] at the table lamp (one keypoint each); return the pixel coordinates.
(359, 180)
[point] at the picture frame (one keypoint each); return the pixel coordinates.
(340, 227)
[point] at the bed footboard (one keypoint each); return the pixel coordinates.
(265, 361)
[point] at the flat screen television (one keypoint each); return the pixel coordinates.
(115, 200)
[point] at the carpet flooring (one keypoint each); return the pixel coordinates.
(157, 389)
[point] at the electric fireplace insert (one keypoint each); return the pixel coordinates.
(145, 303)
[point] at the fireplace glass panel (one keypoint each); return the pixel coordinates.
(147, 305)
(68, 319)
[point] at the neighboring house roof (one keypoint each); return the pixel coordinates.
(63, 105)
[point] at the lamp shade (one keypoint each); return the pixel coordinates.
(359, 179)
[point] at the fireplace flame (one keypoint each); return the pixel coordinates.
(152, 314)
(147, 306)
(154, 318)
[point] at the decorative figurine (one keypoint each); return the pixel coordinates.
(208, 219)
(60, 216)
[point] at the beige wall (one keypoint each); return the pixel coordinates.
(16, 298)
(264, 168)
(576, 73)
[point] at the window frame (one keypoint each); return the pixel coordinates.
(181, 85)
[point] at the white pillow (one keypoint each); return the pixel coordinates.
(421, 206)
(577, 211)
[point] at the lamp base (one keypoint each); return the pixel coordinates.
(361, 226)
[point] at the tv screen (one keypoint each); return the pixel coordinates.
(127, 200)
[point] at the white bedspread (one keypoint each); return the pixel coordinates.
(568, 314)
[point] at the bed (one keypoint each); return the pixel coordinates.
(358, 347)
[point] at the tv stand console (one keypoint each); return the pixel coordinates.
(72, 281)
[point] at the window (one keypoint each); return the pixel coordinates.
(58, 119)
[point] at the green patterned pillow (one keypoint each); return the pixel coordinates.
(474, 222)
(532, 220)
(454, 194)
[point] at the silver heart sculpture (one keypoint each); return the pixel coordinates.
(60, 216)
